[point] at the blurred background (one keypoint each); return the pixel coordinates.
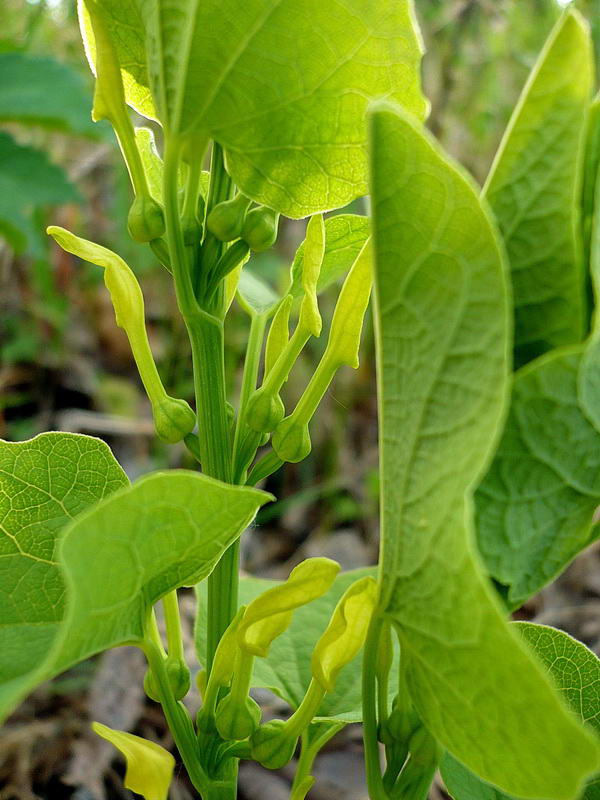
(64, 365)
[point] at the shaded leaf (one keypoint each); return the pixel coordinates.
(254, 295)
(124, 20)
(576, 672)
(168, 530)
(535, 506)
(534, 190)
(43, 91)
(443, 335)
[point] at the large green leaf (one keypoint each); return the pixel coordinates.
(442, 341)
(124, 20)
(45, 92)
(120, 557)
(44, 483)
(282, 85)
(535, 507)
(576, 672)
(534, 189)
(590, 176)
(345, 235)
(286, 670)
(168, 530)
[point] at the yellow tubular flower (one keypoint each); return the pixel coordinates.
(345, 634)
(173, 418)
(149, 766)
(270, 614)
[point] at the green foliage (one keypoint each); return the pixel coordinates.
(329, 69)
(443, 337)
(575, 671)
(280, 90)
(167, 530)
(287, 670)
(44, 484)
(28, 180)
(42, 91)
(535, 507)
(534, 188)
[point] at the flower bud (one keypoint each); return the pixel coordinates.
(145, 220)
(314, 250)
(271, 746)
(260, 228)
(291, 440)
(265, 411)
(237, 720)
(226, 219)
(173, 419)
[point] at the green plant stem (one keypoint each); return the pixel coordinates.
(308, 752)
(215, 456)
(192, 187)
(177, 718)
(251, 365)
(369, 701)
(267, 465)
(206, 337)
(220, 189)
(173, 624)
(303, 715)
(186, 299)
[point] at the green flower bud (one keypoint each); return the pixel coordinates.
(271, 745)
(235, 720)
(265, 411)
(150, 686)
(260, 228)
(291, 440)
(173, 419)
(179, 677)
(191, 230)
(226, 219)
(145, 220)
(178, 674)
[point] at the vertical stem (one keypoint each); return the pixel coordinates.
(220, 188)
(206, 337)
(251, 364)
(215, 455)
(173, 624)
(177, 718)
(369, 699)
